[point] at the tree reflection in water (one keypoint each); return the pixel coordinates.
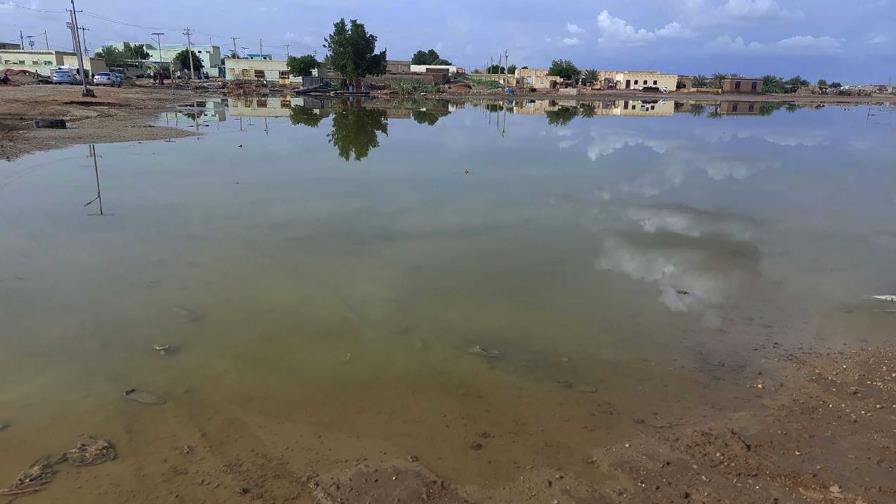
(355, 129)
(304, 116)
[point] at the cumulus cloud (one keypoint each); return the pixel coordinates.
(571, 41)
(800, 44)
(710, 13)
(807, 44)
(616, 31)
(574, 28)
(876, 38)
(604, 144)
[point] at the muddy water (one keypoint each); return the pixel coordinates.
(345, 281)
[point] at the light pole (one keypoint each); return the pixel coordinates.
(187, 32)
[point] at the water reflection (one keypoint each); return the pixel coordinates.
(91, 152)
(355, 129)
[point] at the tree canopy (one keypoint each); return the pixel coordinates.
(355, 128)
(183, 59)
(700, 81)
(772, 84)
(135, 51)
(118, 57)
(430, 57)
(301, 66)
(564, 69)
(495, 69)
(352, 51)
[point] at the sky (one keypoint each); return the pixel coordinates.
(848, 41)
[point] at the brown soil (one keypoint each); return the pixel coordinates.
(115, 115)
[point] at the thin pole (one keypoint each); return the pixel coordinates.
(84, 38)
(46, 40)
(235, 54)
(189, 51)
(287, 51)
(158, 36)
(260, 47)
(86, 92)
(21, 40)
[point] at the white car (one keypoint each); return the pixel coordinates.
(106, 79)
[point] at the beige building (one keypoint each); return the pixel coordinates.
(44, 62)
(536, 77)
(272, 71)
(636, 80)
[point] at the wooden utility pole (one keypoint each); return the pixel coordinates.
(84, 40)
(74, 15)
(188, 33)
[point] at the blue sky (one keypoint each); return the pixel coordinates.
(851, 41)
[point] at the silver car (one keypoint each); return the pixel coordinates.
(63, 76)
(106, 79)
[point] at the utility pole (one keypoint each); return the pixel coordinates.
(260, 48)
(158, 36)
(74, 13)
(46, 40)
(235, 54)
(71, 29)
(84, 39)
(187, 32)
(21, 40)
(287, 51)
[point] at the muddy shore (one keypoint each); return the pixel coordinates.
(115, 115)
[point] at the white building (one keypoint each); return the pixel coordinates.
(423, 68)
(212, 63)
(44, 62)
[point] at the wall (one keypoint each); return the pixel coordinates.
(44, 62)
(746, 86)
(423, 68)
(637, 80)
(245, 69)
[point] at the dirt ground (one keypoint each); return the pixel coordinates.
(115, 115)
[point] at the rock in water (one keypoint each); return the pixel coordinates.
(143, 397)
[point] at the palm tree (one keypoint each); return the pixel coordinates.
(701, 81)
(590, 76)
(717, 79)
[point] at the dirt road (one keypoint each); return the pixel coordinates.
(115, 115)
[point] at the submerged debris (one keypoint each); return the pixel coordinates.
(90, 451)
(484, 352)
(143, 397)
(889, 298)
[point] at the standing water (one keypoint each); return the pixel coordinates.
(482, 287)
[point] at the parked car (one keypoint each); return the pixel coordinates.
(107, 79)
(63, 76)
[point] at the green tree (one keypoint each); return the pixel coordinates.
(430, 57)
(822, 83)
(183, 59)
(792, 84)
(112, 55)
(590, 76)
(304, 116)
(772, 84)
(511, 69)
(716, 80)
(495, 69)
(562, 116)
(301, 66)
(836, 85)
(700, 81)
(564, 69)
(427, 117)
(352, 51)
(135, 51)
(355, 130)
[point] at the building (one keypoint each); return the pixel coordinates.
(398, 66)
(6, 46)
(256, 56)
(271, 71)
(537, 78)
(741, 85)
(740, 108)
(636, 80)
(44, 62)
(212, 63)
(452, 70)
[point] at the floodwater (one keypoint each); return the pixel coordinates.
(346, 280)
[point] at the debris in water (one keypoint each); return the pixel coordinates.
(91, 451)
(585, 389)
(483, 352)
(143, 397)
(165, 349)
(476, 446)
(889, 298)
(3, 426)
(683, 292)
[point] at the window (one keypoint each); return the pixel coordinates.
(35, 62)
(654, 83)
(636, 82)
(750, 107)
(259, 74)
(754, 85)
(734, 105)
(736, 84)
(48, 63)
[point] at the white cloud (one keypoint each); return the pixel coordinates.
(574, 28)
(572, 41)
(709, 13)
(807, 44)
(727, 44)
(801, 44)
(617, 31)
(604, 144)
(876, 38)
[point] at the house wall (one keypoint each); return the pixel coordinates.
(424, 68)
(209, 54)
(637, 80)
(749, 86)
(398, 66)
(246, 69)
(535, 77)
(44, 62)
